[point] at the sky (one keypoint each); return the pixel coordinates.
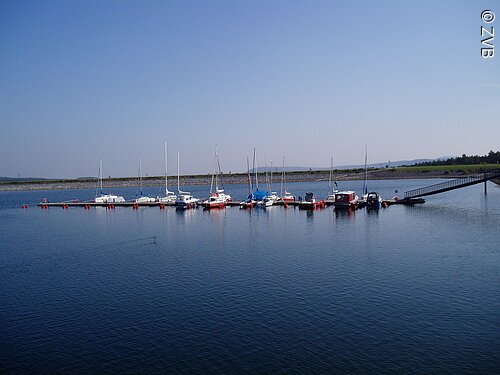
(82, 81)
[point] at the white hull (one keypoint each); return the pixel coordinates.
(145, 200)
(109, 198)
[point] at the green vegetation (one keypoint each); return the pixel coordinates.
(465, 168)
(491, 158)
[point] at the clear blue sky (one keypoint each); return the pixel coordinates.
(88, 80)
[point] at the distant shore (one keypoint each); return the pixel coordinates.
(241, 178)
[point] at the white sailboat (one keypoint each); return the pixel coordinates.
(106, 198)
(143, 198)
(170, 196)
(271, 197)
(217, 198)
(184, 198)
(285, 195)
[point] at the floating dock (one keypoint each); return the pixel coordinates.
(135, 205)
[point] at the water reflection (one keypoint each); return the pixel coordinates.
(348, 213)
(372, 211)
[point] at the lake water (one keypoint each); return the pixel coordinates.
(277, 291)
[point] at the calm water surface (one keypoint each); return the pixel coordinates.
(278, 291)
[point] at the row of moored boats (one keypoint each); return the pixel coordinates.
(218, 198)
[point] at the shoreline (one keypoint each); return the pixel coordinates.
(229, 179)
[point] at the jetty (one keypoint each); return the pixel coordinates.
(482, 177)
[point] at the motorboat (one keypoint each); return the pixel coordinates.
(270, 199)
(288, 197)
(310, 203)
(373, 200)
(184, 198)
(248, 203)
(346, 199)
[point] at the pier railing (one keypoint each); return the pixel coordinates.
(453, 184)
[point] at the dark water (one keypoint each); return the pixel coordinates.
(281, 291)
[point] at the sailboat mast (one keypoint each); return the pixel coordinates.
(255, 170)
(140, 174)
(250, 188)
(213, 174)
(100, 173)
(178, 174)
(365, 189)
(166, 178)
(220, 172)
(331, 171)
(271, 178)
(283, 176)
(266, 175)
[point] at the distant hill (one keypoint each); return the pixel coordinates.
(24, 179)
(390, 164)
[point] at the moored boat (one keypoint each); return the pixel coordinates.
(373, 200)
(286, 196)
(106, 198)
(250, 201)
(310, 202)
(270, 200)
(346, 199)
(217, 198)
(170, 196)
(143, 198)
(331, 190)
(184, 199)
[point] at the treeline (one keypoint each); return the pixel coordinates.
(491, 158)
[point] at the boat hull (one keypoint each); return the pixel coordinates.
(184, 206)
(311, 205)
(345, 205)
(218, 205)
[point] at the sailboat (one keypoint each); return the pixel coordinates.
(331, 190)
(272, 198)
(143, 198)
(369, 199)
(258, 195)
(184, 198)
(106, 198)
(250, 201)
(217, 198)
(170, 196)
(285, 195)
